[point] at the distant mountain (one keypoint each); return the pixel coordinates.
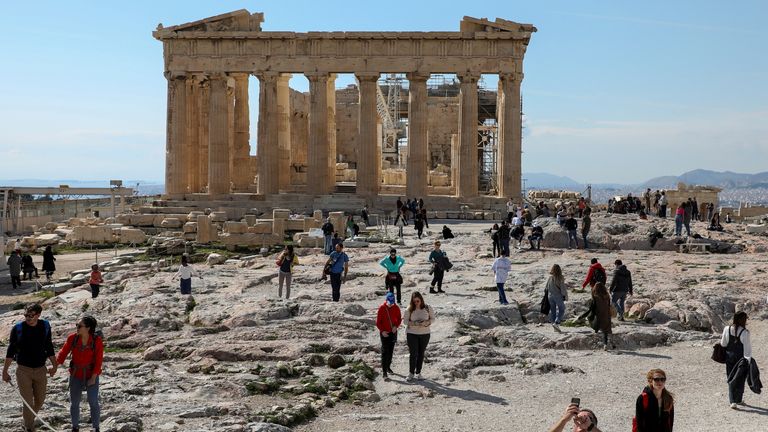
(550, 181)
(725, 179)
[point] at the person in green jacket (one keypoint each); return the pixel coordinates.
(393, 280)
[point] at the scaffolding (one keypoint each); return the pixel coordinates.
(487, 149)
(390, 109)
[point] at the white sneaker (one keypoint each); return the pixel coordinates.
(409, 377)
(418, 377)
(734, 406)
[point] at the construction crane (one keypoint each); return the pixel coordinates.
(388, 108)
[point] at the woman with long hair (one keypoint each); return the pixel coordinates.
(738, 357)
(557, 292)
(49, 265)
(418, 319)
(599, 312)
(655, 407)
(393, 280)
(285, 262)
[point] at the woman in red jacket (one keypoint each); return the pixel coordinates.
(87, 348)
(388, 319)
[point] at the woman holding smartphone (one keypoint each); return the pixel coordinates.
(418, 318)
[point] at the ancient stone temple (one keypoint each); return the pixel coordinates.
(208, 64)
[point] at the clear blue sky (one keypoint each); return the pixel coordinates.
(614, 91)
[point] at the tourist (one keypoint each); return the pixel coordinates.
(586, 224)
(571, 225)
(504, 234)
(364, 215)
(495, 240)
(421, 203)
(413, 207)
(656, 199)
(694, 209)
(399, 205)
(738, 357)
(583, 420)
(185, 274)
(28, 266)
(537, 235)
(437, 259)
(595, 274)
(87, 348)
(418, 318)
(714, 224)
(336, 240)
(501, 267)
(338, 262)
(393, 280)
(621, 286)
(663, 205)
(517, 233)
(352, 228)
(727, 220)
(424, 217)
(388, 319)
(599, 312)
(647, 198)
(285, 262)
(418, 225)
(407, 207)
(400, 222)
(687, 214)
(30, 345)
(655, 407)
(679, 215)
(557, 292)
(581, 205)
(447, 233)
(710, 211)
(511, 209)
(14, 267)
(328, 236)
(95, 280)
(49, 265)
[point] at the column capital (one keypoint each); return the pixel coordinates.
(268, 76)
(175, 75)
(367, 76)
(217, 76)
(317, 76)
(468, 77)
(418, 76)
(239, 75)
(284, 77)
(511, 76)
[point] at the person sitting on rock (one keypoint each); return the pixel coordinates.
(29, 267)
(714, 224)
(537, 235)
(447, 233)
(583, 420)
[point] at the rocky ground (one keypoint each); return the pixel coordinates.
(234, 357)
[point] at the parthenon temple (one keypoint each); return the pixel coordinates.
(417, 122)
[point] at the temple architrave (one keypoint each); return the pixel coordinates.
(301, 145)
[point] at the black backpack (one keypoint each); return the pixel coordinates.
(598, 275)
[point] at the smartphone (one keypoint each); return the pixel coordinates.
(575, 401)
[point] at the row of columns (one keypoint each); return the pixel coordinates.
(208, 134)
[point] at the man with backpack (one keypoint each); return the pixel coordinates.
(595, 274)
(30, 345)
(621, 286)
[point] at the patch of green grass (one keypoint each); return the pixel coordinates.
(361, 366)
(85, 307)
(45, 294)
(266, 386)
(572, 323)
(319, 348)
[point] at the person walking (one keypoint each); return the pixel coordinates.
(285, 262)
(436, 258)
(388, 319)
(501, 267)
(418, 225)
(571, 225)
(595, 274)
(352, 228)
(328, 236)
(400, 222)
(30, 344)
(655, 407)
(418, 318)
(647, 199)
(87, 348)
(687, 215)
(599, 312)
(424, 217)
(557, 292)
(586, 224)
(49, 263)
(364, 215)
(495, 240)
(28, 266)
(393, 280)
(504, 236)
(738, 350)
(511, 210)
(95, 280)
(663, 205)
(185, 274)
(339, 262)
(679, 214)
(621, 287)
(14, 267)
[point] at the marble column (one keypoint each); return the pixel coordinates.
(318, 182)
(509, 156)
(417, 171)
(331, 100)
(175, 178)
(218, 137)
(268, 120)
(468, 160)
(368, 155)
(192, 143)
(241, 173)
(202, 136)
(284, 131)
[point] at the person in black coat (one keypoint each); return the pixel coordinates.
(655, 407)
(49, 266)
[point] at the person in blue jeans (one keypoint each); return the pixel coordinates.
(621, 286)
(501, 267)
(339, 262)
(557, 292)
(393, 280)
(327, 236)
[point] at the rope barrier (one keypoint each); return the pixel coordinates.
(37, 416)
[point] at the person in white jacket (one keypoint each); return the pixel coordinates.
(185, 274)
(501, 267)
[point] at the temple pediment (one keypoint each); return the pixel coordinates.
(239, 20)
(470, 24)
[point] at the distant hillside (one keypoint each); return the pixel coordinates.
(725, 179)
(550, 181)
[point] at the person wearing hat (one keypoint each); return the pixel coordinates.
(388, 319)
(584, 420)
(393, 279)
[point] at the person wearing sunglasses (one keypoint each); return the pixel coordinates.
(87, 348)
(655, 407)
(30, 345)
(584, 420)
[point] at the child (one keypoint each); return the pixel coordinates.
(95, 280)
(185, 274)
